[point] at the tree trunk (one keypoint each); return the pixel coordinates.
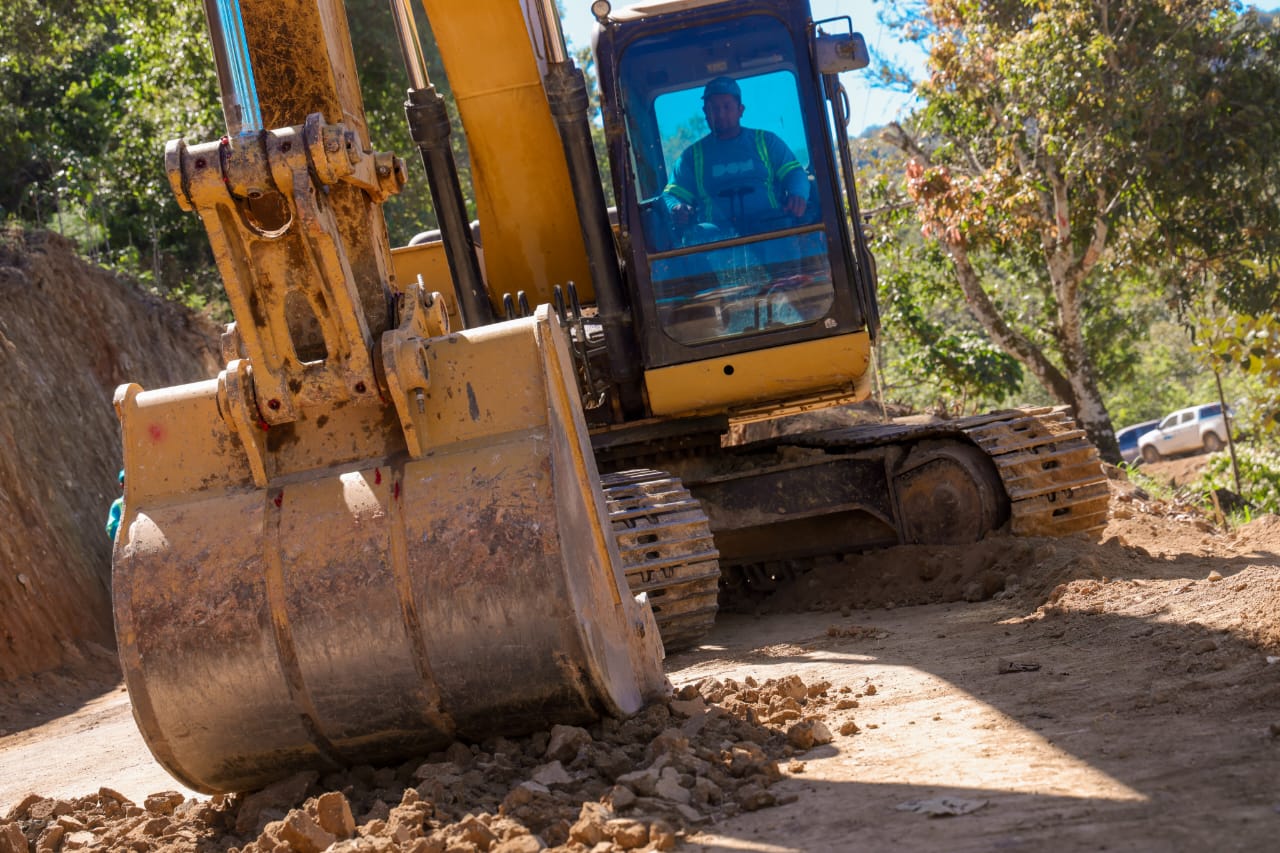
(1091, 411)
(1068, 271)
(1005, 336)
(1078, 387)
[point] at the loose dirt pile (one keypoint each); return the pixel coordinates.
(710, 753)
(70, 333)
(1159, 539)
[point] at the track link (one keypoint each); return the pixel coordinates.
(1050, 470)
(667, 551)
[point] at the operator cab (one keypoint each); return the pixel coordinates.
(742, 266)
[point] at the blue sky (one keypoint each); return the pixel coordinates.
(868, 105)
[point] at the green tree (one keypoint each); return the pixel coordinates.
(1248, 345)
(1211, 176)
(92, 91)
(933, 354)
(44, 47)
(1041, 157)
(160, 85)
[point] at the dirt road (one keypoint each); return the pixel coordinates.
(97, 743)
(1114, 696)
(1109, 744)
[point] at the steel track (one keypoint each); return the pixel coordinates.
(667, 551)
(1051, 472)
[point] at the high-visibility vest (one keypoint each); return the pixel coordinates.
(702, 199)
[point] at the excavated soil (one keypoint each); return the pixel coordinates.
(1119, 693)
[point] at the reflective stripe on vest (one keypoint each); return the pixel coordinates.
(762, 148)
(700, 186)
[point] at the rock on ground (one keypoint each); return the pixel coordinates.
(641, 783)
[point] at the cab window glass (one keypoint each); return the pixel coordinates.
(720, 165)
(733, 152)
(773, 107)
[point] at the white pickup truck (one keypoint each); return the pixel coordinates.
(1194, 430)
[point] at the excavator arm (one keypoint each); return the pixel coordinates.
(292, 200)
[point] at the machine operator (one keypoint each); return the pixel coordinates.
(734, 177)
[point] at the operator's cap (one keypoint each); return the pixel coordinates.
(722, 86)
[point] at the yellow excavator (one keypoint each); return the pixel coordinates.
(471, 486)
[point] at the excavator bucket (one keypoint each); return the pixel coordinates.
(371, 604)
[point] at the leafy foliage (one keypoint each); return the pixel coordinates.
(934, 355)
(1043, 165)
(90, 102)
(1251, 346)
(1259, 477)
(1212, 176)
(1165, 376)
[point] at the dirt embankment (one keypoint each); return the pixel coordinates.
(70, 333)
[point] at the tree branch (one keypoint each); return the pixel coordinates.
(903, 141)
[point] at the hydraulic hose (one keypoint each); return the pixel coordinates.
(431, 131)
